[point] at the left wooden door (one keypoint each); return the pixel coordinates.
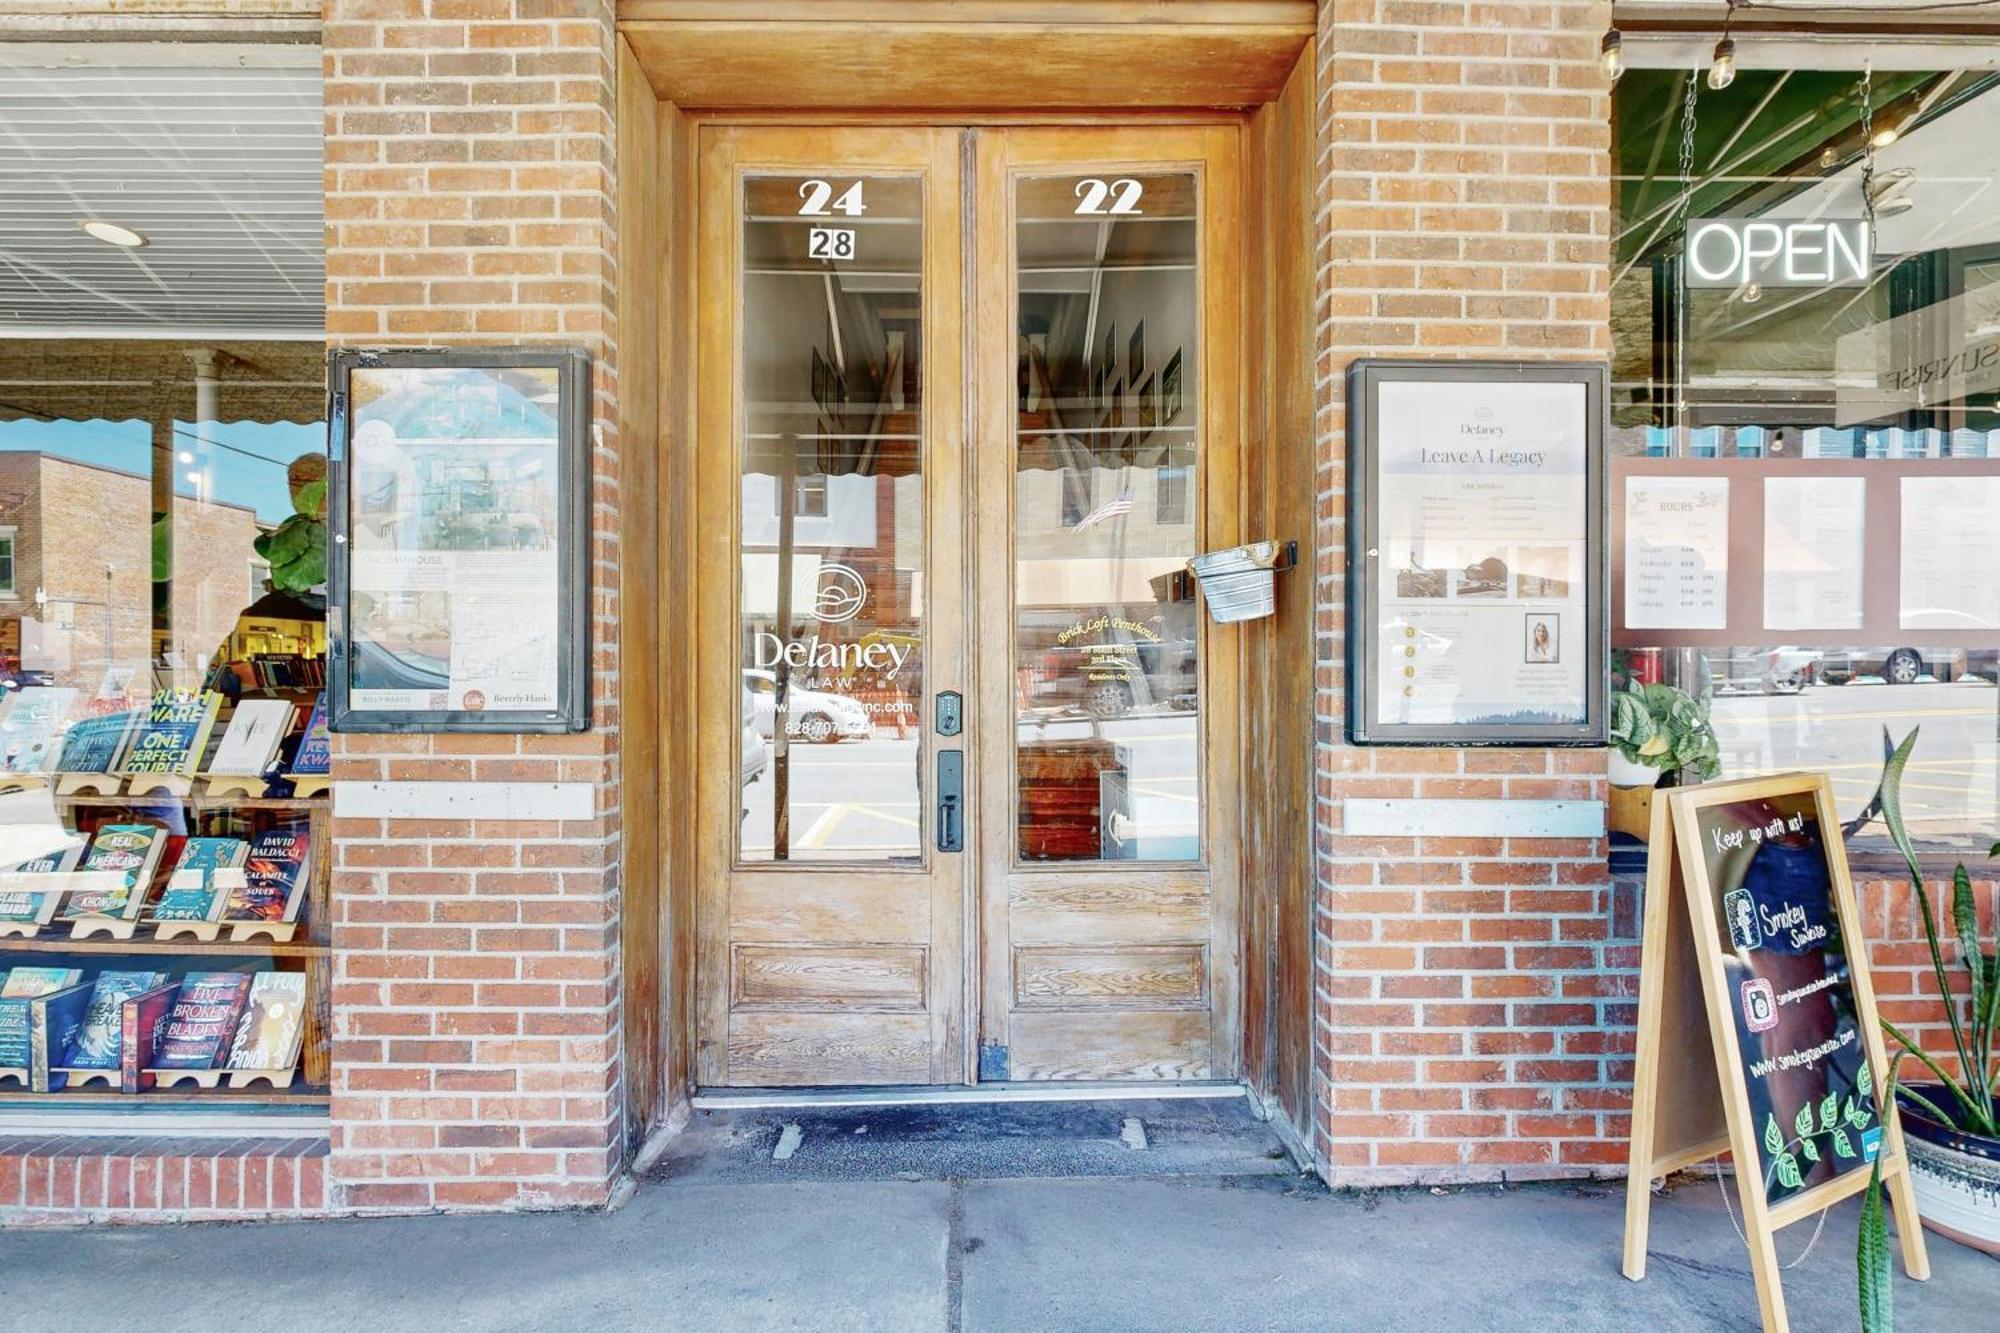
(830, 608)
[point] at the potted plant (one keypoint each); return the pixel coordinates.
(1656, 730)
(1951, 1127)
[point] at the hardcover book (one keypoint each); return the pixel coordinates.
(273, 877)
(200, 884)
(97, 1039)
(24, 984)
(256, 729)
(26, 894)
(202, 1021)
(274, 1025)
(96, 744)
(28, 731)
(55, 1021)
(315, 756)
(132, 852)
(174, 733)
(142, 1019)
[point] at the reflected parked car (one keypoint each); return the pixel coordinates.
(1897, 666)
(756, 755)
(1783, 670)
(816, 716)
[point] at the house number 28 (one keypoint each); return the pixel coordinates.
(1098, 197)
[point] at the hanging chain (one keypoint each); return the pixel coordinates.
(1868, 146)
(1681, 429)
(1730, 1208)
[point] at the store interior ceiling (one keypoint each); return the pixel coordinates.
(212, 154)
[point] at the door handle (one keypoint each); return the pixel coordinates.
(951, 800)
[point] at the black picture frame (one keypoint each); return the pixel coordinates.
(1365, 379)
(571, 415)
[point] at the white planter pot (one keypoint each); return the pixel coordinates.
(1958, 1193)
(1630, 773)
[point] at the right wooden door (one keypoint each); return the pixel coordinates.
(1108, 414)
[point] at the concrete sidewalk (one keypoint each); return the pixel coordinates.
(722, 1242)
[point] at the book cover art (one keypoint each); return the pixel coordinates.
(202, 1021)
(97, 1039)
(28, 731)
(173, 733)
(276, 871)
(274, 1024)
(131, 851)
(26, 982)
(96, 744)
(26, 892)
(54, 1022)
(256, 729)
(142, 1020)
(315, 756)
(200, 883)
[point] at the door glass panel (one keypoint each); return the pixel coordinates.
(1107, 510)
(831, 540)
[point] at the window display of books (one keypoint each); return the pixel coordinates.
(132, 1030)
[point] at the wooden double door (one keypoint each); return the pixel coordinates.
(968, 401)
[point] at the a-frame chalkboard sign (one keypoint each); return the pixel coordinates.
(1757, 1031)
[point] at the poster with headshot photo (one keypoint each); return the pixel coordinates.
(1542, 639)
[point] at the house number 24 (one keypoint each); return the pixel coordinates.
(1098, 197)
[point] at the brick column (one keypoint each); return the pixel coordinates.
(469, 199)
(1471, 1016)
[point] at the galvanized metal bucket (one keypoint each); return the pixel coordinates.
(1239, 583)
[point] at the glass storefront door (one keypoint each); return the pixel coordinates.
(963, 417)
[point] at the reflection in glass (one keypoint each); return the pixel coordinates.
(832, 529)
(1107, 506)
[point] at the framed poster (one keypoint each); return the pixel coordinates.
(1476, 553)
(459, 579)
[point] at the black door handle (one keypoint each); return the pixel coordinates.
(951, 800)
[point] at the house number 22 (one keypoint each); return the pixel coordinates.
(1099, 197)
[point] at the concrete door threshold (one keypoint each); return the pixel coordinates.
(744, 1099)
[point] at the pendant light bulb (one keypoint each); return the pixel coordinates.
(1611, 54)
(1722, 72)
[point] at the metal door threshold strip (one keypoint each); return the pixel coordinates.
(754, 1099)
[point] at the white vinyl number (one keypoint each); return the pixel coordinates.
(1100, 197)
(830, 243)
(819, 200)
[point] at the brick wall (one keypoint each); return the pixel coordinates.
(476, 996)
(1472, 1013)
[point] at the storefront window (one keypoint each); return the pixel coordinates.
(1806, 412)
(164, 818)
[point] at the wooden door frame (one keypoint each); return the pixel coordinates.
(656, 326)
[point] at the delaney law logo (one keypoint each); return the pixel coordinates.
(839, 595)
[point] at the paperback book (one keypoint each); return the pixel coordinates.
(315, 756)
(26, 896)
(24, 984)
(256, 729)
(97, 1040)
(202, 1021)
(55, 1021)
(274, 1024)
(273, 877)
(96, 744)
(28, 731)
(201, 883)
(129, 851)
(142, 1022)
(173, 734)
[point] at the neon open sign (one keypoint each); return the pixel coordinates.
(1778, 252)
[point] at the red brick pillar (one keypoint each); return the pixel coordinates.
(469, 199)
(1472, 1014)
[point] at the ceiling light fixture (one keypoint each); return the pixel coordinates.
(1722, 72)
(1887, 135)
(112, 234)
(1611, 54)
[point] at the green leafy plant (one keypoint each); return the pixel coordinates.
(296, 548)
(1664, 727)
(1970, 1100)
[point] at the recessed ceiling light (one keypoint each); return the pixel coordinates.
(113, 234)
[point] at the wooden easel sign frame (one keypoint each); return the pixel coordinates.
(1757, 1031)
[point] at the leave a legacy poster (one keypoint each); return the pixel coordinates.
(1481, 548)
(456, 592)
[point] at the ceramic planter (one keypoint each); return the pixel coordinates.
(1956, 1175)
(1630, 772)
